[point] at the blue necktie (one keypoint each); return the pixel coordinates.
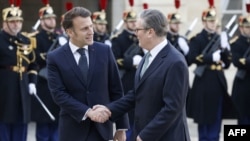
(83, 63)
(145, 64)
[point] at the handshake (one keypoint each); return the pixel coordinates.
(99, 113)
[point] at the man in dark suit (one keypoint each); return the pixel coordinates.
(161, 85)
(79, 81)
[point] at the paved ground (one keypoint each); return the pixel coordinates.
(192, 126)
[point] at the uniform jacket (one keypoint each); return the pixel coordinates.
(241, 89)
(101, 38)
(120, 45)
(14, 97)
(209, 92)
(173, 39)
(75, 96)
(44, 41)
(159, 99)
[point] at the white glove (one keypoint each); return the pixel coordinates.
(62, 40)
(136, 60)
(216, 56)
(224, 40)
(183, 45)
(108, 42)
(32, 88)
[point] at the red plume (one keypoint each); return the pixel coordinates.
(103, 4)
(68, 5)
(248, 7)
(18, 3)
(177, 4)
(131, 3)
(145, 6)
(45, 2)
(211, 3)
(11, 2)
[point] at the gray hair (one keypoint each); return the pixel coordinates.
(154, 19)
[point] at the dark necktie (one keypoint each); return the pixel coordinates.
(145, 64)
(83, 63)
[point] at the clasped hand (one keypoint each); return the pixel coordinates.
(99, 113)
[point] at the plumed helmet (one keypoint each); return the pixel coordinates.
(174, 18)
(12, 13)
(244, 21)
(210, 13)
(46, 11)
(99, 17)
(129, 15)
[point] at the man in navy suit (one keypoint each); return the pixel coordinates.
(76, 90)
(159, 94)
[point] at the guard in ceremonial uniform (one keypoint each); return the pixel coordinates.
(128, 54)
(17, 70)
(173, 36)
(241, 60)
(208, 101)
(100, 28)
(46, 128)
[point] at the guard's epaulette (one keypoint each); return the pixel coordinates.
(233, 39)
(115, 35)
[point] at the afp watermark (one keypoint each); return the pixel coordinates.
(237, 132)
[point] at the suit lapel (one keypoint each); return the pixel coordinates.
(72, 63)
(152, 67)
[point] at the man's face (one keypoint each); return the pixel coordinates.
(174, 27)
(100, 28)
(141, 33)
(245, 30)
(210, 25)
(49, 23)
(81, 33)
(13, 27)
(131, 25)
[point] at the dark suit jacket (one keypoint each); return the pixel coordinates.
(74, 96)
(159, 99)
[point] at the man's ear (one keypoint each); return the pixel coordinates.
(69, 31)
(151, 32)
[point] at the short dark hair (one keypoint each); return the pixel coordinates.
(73, 13)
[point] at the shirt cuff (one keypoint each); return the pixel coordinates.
(85, 115)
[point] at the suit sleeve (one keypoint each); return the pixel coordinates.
(116, 91)
(66, 102)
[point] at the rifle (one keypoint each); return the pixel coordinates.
(117, 28)
(241, 73)
(191, 27)
(211, 47)
(34, 28)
